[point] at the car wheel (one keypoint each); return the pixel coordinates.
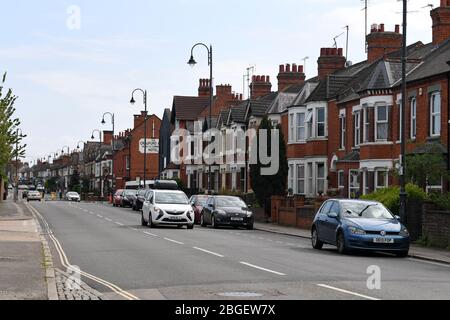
(316, 243)
(402, 254)
(150, 222)
(143, 222)
(202, 221)
(190, 226)
(214, 222)
(340, 243)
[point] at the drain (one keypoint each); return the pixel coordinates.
(240, 294)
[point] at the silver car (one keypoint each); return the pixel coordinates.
(73, 196)
(34, 196)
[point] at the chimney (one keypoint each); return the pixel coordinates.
(381, 42)
(260, 86)
(330, 61)
(204, 88)
(224, 91)
(107, 137)
(287, 77)
(441, 22)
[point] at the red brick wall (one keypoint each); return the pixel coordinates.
(441, 22)
(381, 42)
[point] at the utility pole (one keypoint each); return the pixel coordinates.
(403, 195)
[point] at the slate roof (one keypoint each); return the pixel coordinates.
(188, 108)
(238, 113)
(351, 157)
(223, 118)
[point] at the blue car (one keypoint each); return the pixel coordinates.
(359, 225)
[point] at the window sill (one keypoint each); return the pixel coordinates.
(376, 143)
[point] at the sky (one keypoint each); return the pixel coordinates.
(69, 62)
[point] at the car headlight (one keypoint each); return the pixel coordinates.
(356, 231)
(157, 210)
(249, 214)
(221, 212)
(404, 232)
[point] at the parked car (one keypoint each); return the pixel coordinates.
(140, 199)
(117, 199)
(73, 196)
(167, 207)
(128, 198)
(359, 225)
(34, 196)
(198, 202)
(226, 211)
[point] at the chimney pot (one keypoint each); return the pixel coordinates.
(340, 52)
(382, 27)
(294, 68)
(281, 68)
(374, 28)
(397, 28)
(267, 79)
(300, 69)
(288, 68)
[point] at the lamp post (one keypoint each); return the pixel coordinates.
(78, 144)
(403, 194)
(99, 146)
(113, 146)
(62, 150)
(133, 101)
(192, 63)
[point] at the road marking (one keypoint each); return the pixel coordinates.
(134, 229)
(108, 219)
(65, 261)
(430, 262)
(174, 241)
(348, 292)
(119, 224)
(150, 234)
(209, 252)
(263, 269)
(100, 216)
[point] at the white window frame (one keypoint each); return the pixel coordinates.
(324, 122)
(310, 179)
(386, 182)
(301, 180)
(434, 114)
(366, 129)
(292, 137)
(301, 125)
(381, 122)
(341, 179)
(413, 129)
(350, 188)
(291, 177)
(357, 128)
(309, 122)
(321, 179)
(343, 131)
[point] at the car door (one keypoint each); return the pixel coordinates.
(146, 207)
(208, 210)
(332, 222)
(321, 220)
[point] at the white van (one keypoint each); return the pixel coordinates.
(167, 207)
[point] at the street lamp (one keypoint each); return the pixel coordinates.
(403, 194)
(100, 140)
(113, 146)
(192, 63)
(78, 144)
(62, 150)
(133, 101)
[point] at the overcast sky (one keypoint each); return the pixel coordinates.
(68, 74)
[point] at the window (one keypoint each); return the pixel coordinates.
(335, 208)
(310, 179)
(309, 122)
(127, 162)
(341, 179)
(175, 175)
(342, 129)
(357, 128)
(291, 127)
(243, 179)
(301, 179)
(400, 120)
(435, 114)
(301, 129)
(320, 122)
(413, 118)
(381, 179)
(382, 123)
(274, 123)
(291, 177)
(326, 207)
(320, 179)
(366, 125)
(354, 184)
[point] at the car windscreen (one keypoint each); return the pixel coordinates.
(170, 198)
(72, 194)
(200, 201)
(365, 210)
(129, 193)
(230, 203)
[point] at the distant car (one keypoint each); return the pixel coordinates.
(34, 196)
(117, 199)
(359, 225)
(198, 202)
(226, 211)
(128, 198)
(10, 187)
(140, 199)
(167, 207)
(73, 196)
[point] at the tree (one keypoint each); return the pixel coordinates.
(267, 186)
(8, 128)
(74, 182)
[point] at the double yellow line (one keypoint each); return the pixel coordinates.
(66, 264)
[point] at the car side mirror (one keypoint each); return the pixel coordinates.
(398, 218)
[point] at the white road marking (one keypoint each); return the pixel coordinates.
(151, 234)
(263, 269)
(108, 219)
(348, 292)
(119, 224)
(100, 216)
(209, 252)
(174, 241)
(430, 262)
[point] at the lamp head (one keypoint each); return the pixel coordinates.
(132, 101)
(192, 61)
(103, 121)
(92, 137)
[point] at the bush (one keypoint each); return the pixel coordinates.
(442, 201)
(390, 197)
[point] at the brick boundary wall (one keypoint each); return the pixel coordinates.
(436, 226)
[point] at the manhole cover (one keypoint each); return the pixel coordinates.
(240, 294)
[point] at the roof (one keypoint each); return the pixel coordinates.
(188, 108)
(223, 118)
(351, 157)
(238, 113)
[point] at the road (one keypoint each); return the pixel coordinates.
(208, 264)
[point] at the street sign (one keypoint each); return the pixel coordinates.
(152, 146)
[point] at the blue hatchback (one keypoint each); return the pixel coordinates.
(359, 225)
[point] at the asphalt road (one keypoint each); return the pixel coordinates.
(208, 264)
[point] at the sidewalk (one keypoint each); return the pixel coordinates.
(22, 272)
(418, 252)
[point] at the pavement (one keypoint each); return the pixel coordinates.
(120, 259)
(416, 251)
(22, 275)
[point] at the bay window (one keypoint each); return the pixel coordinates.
(301, 129)
(300, 179)
(342, 129)
(382, 123)
(357, 128)
(413, 118)
(291, 127)
(309, 123)
(381, 179)
(320, 113)
(291, 177)
(435, 114)
(320, 178)
(341, 179)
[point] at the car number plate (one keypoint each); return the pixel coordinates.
(176, 218)
(237, 219)
(383, 240)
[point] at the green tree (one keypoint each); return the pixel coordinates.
(8, 128)
(267, 186)
(51, 184)
(74, 182)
